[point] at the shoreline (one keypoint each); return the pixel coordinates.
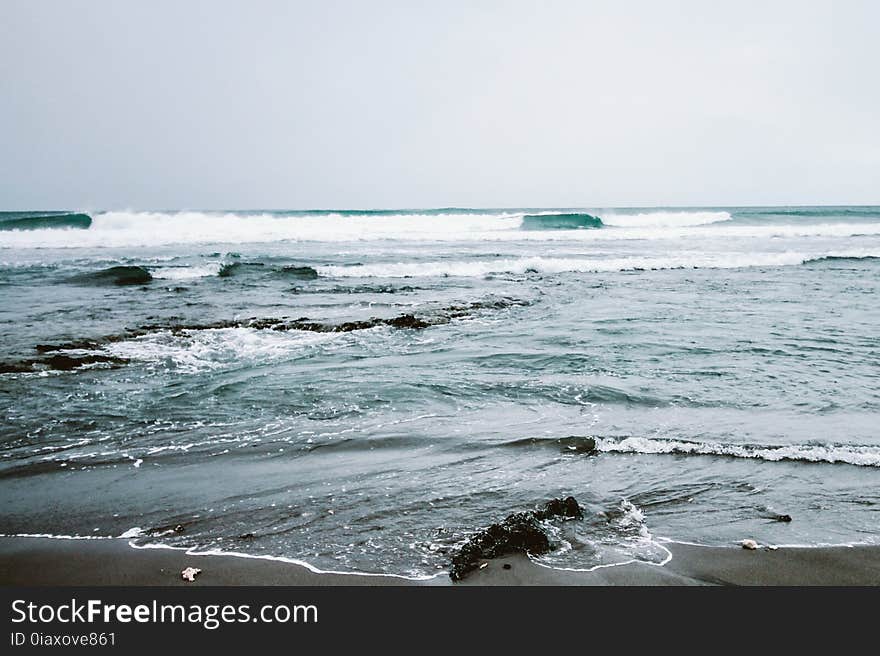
(43, 561)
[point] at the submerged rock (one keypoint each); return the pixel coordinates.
(132, 275)
(408, 321)
(117, 275)
(567, 508)
(62, 362)
(15, 367)
(302, 272)
(59, 362)
(519, 532)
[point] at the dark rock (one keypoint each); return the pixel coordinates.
(15, 367)
(783, 518)
(506, 566)
(520, 532)
(59, 362)
(122, 275)
(246, 536)
(303, 272)
(118, 275)
(179, 528)
(567, 508)
(85, 345)
(408, 321)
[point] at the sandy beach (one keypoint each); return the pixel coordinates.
(48, 561)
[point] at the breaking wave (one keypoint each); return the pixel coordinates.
(148, 229)
(47, 222)
(560, 221)
(863, 456)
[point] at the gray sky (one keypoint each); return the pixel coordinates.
(263, 104)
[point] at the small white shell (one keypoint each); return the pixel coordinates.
(190, 574)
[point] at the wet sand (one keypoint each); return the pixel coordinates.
(45, 561)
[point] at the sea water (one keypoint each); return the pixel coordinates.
(724, 362)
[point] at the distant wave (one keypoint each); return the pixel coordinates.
(841, 258)
(51, 222)
(560, 221)
(864, 456)
(867, 211)
(664, 219)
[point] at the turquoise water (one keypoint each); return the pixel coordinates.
(724, 359)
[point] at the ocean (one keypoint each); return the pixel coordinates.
(362, 390)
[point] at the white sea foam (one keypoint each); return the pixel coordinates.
(632, 516)
(134, 532)
(549, 265)
(629, 541)
(186, 272)
(192, 351)
(663, 219)
(149, 229)
(133, 229)
(865, 456)
(194, 551)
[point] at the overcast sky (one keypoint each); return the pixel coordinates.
(263, 104)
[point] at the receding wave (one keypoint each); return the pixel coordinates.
(560, 221)
(50, 222)
(864, 456)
